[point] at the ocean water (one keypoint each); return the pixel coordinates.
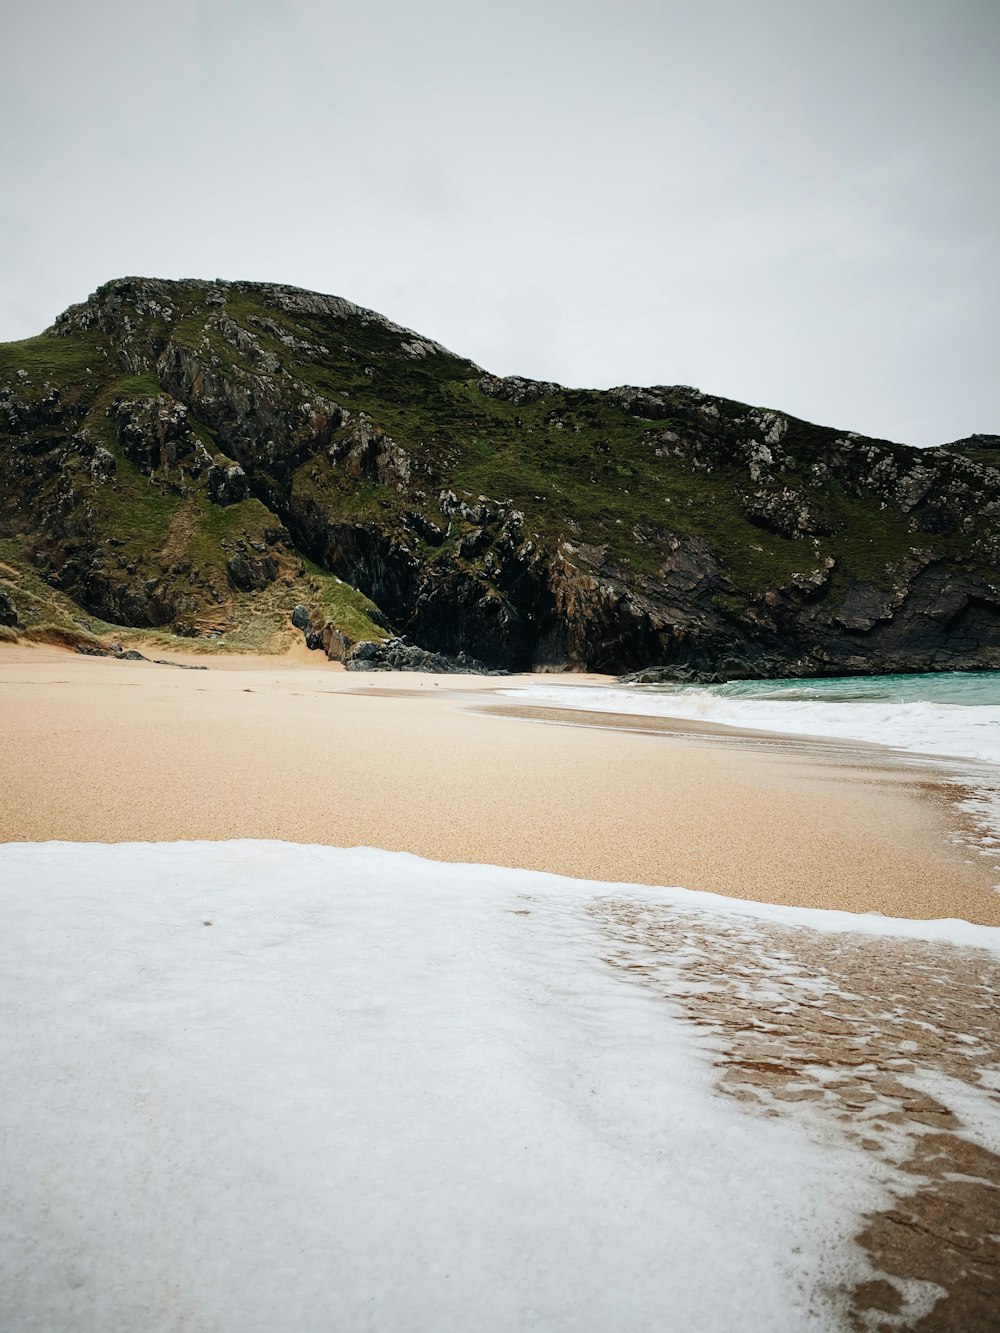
(965, 688)
(953, 715)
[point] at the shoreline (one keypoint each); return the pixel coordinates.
(109, 751)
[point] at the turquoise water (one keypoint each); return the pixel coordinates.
(944, 687)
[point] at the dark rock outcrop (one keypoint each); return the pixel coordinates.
(398, 655)
(227, 484)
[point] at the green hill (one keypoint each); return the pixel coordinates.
(204, 457)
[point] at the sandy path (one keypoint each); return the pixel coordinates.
(101, 750)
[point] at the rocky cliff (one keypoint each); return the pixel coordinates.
(211, 456)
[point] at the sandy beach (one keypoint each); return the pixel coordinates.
(257, 983)
(292, 748)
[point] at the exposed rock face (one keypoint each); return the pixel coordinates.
(169, 446)
(227, 484)
(367, 453)
(514, 389)
(153, 432)
(397, 655)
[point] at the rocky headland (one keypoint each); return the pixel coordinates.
(227, 460)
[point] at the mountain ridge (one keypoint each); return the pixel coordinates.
(199, 455)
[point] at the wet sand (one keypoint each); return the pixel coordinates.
(862, 1039)
(101, 750)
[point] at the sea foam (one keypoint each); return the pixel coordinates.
(948, 730)
(258, 1085)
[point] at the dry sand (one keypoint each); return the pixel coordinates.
(96, 749)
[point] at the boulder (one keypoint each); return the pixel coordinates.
(398, 655)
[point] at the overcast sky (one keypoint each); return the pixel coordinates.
(791, 202)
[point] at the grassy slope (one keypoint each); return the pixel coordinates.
(573, 462)
(596, 470)
(259, 620)
(152, 525)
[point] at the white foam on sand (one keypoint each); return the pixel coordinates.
(384, 1093)
(946, 730)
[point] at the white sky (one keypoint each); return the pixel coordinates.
(793, 203)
